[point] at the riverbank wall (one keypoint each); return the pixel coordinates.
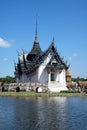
(16, 87)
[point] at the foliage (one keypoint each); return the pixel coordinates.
(85, 89)
(69, 91)
(8, 79)
(79, 79)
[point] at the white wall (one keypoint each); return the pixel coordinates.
(17, 80)
(34, 76)
(57, 75)
(24, 77)
(42, 72)
(27, 78)
(63, 77)
(44, 77)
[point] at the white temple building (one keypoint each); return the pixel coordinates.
(45, 67)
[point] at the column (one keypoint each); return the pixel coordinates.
(49, 77)
(57, 76)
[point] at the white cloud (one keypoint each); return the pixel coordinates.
(72, 56)
(5, 59)
(4, 43)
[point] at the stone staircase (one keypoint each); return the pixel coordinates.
(56, 87)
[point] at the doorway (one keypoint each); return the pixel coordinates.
(52, 77)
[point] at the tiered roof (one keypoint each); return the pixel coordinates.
(36, 57)
(29, 62)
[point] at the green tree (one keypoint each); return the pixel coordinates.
(8, 79)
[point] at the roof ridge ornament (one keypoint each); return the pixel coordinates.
(23, 51)
(18, 53)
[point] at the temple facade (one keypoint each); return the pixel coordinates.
(45, 67)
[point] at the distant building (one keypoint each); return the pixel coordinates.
(46, 67)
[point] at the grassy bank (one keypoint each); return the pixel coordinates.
(34, 94)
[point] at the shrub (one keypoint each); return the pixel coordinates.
(85, 90)
(69, 91)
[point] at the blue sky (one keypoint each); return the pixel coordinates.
(65, 20)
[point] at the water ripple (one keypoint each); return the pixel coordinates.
(55, 113)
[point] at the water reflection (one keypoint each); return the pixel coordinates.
(51, 112)
(55, 113)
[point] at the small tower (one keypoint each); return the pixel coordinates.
(68, 76)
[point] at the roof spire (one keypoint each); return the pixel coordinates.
(53, 40)
(36, 37)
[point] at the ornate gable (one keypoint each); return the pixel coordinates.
(55, 59)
